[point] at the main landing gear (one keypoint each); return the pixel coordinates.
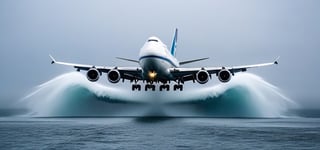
(178, 87)
(165, 87)
(136, 87)
(152, 87)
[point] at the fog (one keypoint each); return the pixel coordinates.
(230, 32)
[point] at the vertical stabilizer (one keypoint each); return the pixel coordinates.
(174, 43)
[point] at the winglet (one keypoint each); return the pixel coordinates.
(53, 60)
(174, 43)
(276, 60)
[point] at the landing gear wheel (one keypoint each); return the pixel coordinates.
(136, 87)
(150, 86)
(165, 86)
(178, 86)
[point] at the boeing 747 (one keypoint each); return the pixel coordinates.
(158, 65)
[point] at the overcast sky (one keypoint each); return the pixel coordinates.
(230, 32)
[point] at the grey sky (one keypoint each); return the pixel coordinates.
(230, 32)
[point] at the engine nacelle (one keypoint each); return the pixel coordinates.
(224, 75)
(202, 76)
(93, 75)
(114, 76)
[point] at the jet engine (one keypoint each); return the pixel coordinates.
(93, 75)
(202, 76)
(224, 75)
(114, 76)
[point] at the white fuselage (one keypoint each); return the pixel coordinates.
(155, 57)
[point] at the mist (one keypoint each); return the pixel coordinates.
(95, 32)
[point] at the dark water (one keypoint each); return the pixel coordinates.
(159, 133)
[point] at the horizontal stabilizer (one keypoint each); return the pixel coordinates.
(191, 61)
(136, 61)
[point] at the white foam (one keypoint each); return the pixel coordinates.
(49, 98)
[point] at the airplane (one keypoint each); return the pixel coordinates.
(158, 65)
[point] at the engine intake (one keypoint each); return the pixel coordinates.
(224, 75)
(202, 77)
(114, 76)
(93, 75)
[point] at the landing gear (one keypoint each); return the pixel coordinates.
(150, 86)
(136, 87)
(164, 86)
(177, 86)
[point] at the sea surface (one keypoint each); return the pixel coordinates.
(159, 133)
(68, 112)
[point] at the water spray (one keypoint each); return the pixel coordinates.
(71, 94)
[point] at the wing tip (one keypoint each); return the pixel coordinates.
(276, 60)
(52, 59)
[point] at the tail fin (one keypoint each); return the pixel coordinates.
(174, 43)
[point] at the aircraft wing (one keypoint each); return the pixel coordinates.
(130, 73)
(189, 73)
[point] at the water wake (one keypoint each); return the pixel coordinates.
(70, 94)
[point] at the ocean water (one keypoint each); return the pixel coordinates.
(68, 112)
(159, 133)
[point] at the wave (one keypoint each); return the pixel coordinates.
(70, 94)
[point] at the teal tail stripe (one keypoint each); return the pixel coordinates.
(174, 42)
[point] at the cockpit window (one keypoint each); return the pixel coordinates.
(152, 40)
